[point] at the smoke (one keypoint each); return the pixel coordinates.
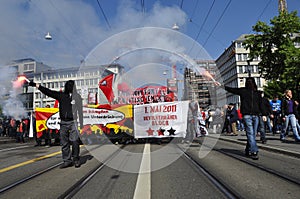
(74, 33)
(11, 101)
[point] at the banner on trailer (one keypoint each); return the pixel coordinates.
(109, 119)
(46, 118)
(167, 119)
(96, 118)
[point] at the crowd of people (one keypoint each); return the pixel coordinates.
(14, 128)
(256, 115)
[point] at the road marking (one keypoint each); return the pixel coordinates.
(29, 162)
(143, 184)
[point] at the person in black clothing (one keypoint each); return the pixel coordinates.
(70, 108)
(232, 117)
(263, 118)
(251, 108)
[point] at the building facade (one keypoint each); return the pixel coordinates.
(199, 87)
(86, 78)
(234, 67)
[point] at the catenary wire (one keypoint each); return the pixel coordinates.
(263, 11)
(227, 6)
(201, 27)
(102, 11)
(181, 5)
(194, 10)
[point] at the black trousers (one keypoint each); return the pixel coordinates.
(69, 136)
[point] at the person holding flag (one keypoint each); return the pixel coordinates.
(70, 108)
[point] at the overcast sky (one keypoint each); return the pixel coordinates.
(78, 26)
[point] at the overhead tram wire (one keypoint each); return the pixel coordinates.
(39, 8)
(181, 5)
(105, 18)
(71, 28)
(194, 10)
(143, 6)
(263, 11)
(201, 27)
(227, 6)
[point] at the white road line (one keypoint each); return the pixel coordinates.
(143, 184)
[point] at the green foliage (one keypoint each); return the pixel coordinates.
(280, 59)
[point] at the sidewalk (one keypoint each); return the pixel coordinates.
(290, 147)
(5, 140)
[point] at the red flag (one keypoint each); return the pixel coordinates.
(105, 85)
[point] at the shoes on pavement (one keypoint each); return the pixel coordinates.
(264, 141)
(77, 163)
(247, 153)
(65, 165)
(254, 156)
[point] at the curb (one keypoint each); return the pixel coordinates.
(8, 140)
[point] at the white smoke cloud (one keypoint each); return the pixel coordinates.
(10, 102)
(75, 26)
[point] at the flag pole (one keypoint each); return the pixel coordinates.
(31, 126)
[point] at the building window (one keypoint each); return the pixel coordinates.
(258, 82)
(239, 45)
(239, 57)
(240, 69)
(29, 67)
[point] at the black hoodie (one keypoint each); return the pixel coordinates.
(70, 103)
(251, 100)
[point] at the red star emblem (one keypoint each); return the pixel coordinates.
(160, 132)
(150, 131)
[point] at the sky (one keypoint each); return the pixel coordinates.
(78, 26)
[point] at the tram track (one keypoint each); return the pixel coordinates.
(36, 174)
(85, 179)
(262, 166)
(224, 187)
(226, 190)
(255, 164)
(23, 180)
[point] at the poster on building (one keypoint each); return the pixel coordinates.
(166, 119)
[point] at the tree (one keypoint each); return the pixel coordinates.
(280, 58)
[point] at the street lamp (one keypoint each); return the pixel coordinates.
(175, 27)
(48, 36)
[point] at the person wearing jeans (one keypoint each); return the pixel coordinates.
(290, 118)
(289, 115)
(251, 108)
(251, 125)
